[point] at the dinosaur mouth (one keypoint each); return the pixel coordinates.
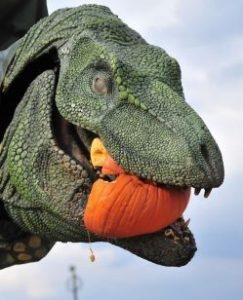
(126, 205)
(172, 236)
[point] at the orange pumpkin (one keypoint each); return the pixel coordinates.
(128, 206)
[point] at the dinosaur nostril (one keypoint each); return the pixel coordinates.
(204, 151)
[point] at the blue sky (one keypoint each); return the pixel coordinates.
(206, 37)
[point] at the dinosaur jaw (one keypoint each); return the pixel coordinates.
(173, 245)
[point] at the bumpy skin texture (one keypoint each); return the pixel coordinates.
(142, 119)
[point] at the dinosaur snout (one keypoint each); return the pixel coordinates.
(208, 159)
(176, 150)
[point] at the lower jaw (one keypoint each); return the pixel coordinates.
(172, 246)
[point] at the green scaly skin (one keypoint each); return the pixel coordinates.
(139, 113)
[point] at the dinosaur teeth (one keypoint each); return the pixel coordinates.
(197, 191)
(207, 193)
(185, 225)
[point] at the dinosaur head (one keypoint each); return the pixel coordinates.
(110, 85)
(130, 97)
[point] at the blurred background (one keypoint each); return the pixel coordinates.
(206, 37)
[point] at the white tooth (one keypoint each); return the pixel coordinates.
(207, 193)
(197, 191)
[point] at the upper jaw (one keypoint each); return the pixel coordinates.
(201, 168)
(178, 155)
(76, 142)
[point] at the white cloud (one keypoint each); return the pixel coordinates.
(44, 280)
(138, 280)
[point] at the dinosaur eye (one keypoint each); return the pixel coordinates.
(101, 85)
